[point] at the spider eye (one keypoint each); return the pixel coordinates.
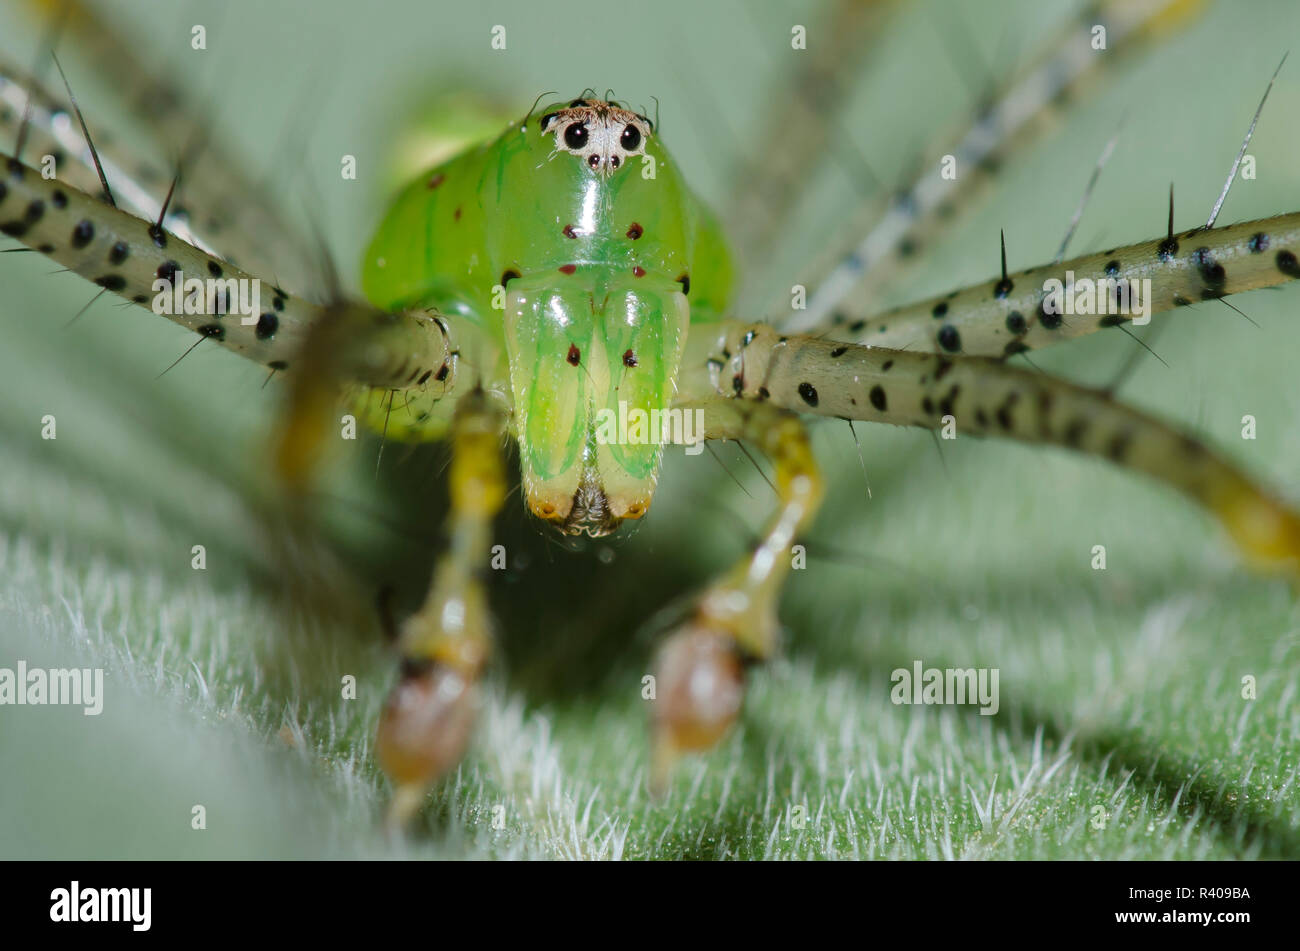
(575, 136)
(546, 119)
(614, 161)
(593, 160)
(630, 138)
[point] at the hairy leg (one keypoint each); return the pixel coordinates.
(987, 397)
(218, 203)
(1006, 315)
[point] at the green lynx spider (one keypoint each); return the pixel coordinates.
(563, 268)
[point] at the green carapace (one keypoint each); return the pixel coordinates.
(574, 243)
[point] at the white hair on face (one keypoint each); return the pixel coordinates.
(602, 135)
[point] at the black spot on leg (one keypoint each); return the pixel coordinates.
(4, 191)
(1049, 320)
(839, 352)
(158, 235)
(1258, 243)
(949, 338)
(877, 396)
(1003, 414)
(167, 272)
(1014, 347)
(507, 276)
(685, 281)
(214, 269)
(1073, 436)
(1212, 272)
(1287, 264)
(119, 252)
(946, 404)
(1016, 323)
(215, 331)
(1166, 249)
(424, 378)
(856, 326)
(59, 200)
(1112, 268)
(267, 325)
(1180, 300)
(1002, 288)
(940, 309)
(83, 234)
(809, 393)
(442, 372)
(34, 213)
(1117, 447)
(278, 365)
(927, 406)
(942, 370)
(1112, 320)
(885, 367)
(112, 282)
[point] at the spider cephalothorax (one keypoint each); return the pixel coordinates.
(602, 134)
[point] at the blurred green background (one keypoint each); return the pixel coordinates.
(1120, 689)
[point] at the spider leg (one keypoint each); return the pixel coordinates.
(1016, 312)
(427, 721)
(700, 666)
(987, 397)
(1012, 117)
(220, 205)
(346, 348)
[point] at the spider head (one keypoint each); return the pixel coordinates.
(601, 134)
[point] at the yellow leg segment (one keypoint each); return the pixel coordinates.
(427, 721)
(700, 682)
